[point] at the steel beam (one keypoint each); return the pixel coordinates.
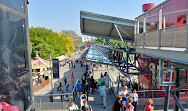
(180, 87)
(177, 101)
(167, 94)
(177, 85)
(121, 37)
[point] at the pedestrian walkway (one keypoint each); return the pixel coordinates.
(64, 71)
(94, 99)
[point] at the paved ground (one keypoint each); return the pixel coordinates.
(94, 99)
(64, 72)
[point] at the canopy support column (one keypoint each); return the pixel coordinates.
(121, 37)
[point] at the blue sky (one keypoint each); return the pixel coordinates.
(65, 14)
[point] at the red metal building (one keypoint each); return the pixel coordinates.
(144, 80)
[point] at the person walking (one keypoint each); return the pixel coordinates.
(148, 106)
(72, 106)
(67, 86)
(87, 89)
(83, 84)
(86, 107)
(106, 80)
(92, 81)
(124, 91)
(59, 87)
(102, 92)
(65, 80)
(134, 96)
(117, 104)
(100, 80)
(78, 86)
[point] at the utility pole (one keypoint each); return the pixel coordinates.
(51, 73)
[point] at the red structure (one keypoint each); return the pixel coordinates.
(144, 80)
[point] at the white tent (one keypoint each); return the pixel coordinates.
(61, 58)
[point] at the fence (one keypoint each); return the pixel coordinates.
(175, 36)
(54, 101)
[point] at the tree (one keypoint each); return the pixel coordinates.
(74, 37)
(47, 42)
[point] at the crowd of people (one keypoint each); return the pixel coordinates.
(124, 102)
(86, 83)
(128, 101)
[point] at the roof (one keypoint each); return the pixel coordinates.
(103, 26)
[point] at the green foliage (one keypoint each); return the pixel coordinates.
(48, 42)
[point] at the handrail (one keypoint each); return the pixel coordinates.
(171, 27)
(54, 94)
(75, 86)
(184, 10)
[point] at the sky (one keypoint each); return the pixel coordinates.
(65, 14)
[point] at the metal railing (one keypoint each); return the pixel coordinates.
(54, 101)
(175, 36)
(113, 87)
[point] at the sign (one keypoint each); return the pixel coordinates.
(55, 63)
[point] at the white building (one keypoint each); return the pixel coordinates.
(87, 38)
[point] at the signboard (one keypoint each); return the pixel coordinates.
(55, 68)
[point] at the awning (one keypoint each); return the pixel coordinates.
(103, 26)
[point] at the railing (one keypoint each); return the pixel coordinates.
(113, 87)
(74, 91)
(54, 101)
(175, 36)
(57, 101)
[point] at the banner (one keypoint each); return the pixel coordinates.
(55, 63)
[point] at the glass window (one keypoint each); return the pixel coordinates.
(183, 75)
(15, 4)
(14, 68)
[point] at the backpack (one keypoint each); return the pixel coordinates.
(60, 88)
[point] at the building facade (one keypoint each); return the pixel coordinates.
(15, 65)
(173, 36)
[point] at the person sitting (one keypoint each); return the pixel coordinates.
(72, 106)
(148, 106)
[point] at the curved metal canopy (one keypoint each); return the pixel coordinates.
(103, 26)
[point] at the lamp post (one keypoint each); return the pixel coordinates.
(51, 73)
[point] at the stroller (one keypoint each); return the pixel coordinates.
(83, 97)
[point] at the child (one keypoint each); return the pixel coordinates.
(148, 106)
(130, 106)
